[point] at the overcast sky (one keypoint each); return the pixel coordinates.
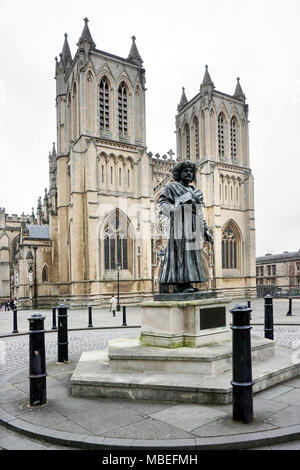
(256, 40)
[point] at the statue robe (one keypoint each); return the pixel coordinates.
(184, 208)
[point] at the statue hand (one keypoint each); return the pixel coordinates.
(208, 237)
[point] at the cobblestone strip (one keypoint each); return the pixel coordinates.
(284, 335)
(14, 351)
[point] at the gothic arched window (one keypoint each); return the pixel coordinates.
(138, 114)
(104, 104)
(45, 274)
(221, 121)
(230, 248)
(74, 110)
(117, 242)
(122, 108)
(187, 140)
(196, 137)
(90, 117)
(233, 146)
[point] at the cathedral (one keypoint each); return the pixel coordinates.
(98, 220)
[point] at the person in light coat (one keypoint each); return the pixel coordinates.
(113, 305)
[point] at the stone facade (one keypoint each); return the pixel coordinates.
(100, 209)
(278, 274)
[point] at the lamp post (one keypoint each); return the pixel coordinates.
(118, 266)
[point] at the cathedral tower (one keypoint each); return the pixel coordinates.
(212, 130)
(103, 172)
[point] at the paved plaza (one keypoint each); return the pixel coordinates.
(121, 424)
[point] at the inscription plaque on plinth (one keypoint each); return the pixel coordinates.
(212, 317)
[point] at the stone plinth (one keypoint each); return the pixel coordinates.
(194, 323)
(184, 353)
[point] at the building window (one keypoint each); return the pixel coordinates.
(257, 271)
(229, 248)
(111, 175)
(196, 137)
(273, 269)
(261, 268)
(45, 274)
(122, 108)
(221, 135)
(104, 104)
(187, 140)
(115, 243)
(269, 270)
(128, 178)
(233, 137)
(102, 173)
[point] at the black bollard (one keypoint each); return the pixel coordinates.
(37, 360)
(124, 317)
(15, 321)
(54, 327)
(290, 307)
(269, 329)
(62, 333)
(242, 398)
(90, 318)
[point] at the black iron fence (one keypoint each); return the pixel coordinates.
(277, 292)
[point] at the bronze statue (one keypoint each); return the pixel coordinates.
(183, 204)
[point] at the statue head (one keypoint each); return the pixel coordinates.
(177, 170)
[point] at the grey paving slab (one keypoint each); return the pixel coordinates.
(188, 417)
(276, 391)
(288, 416)
(143, 408)
(7, 396)
(285, 446)
(149, 428)
(42, 416)
(16, 408)
(264, 407)
(291, 397)
(70, 427)
(69, 406)
(102, 420)
(15, 442)
(227, 427)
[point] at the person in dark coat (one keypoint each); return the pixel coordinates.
(183, 204)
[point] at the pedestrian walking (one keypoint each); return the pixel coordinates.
(6, 305)
(113, 305)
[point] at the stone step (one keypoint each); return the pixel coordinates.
(93, 378)
(128, 355)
